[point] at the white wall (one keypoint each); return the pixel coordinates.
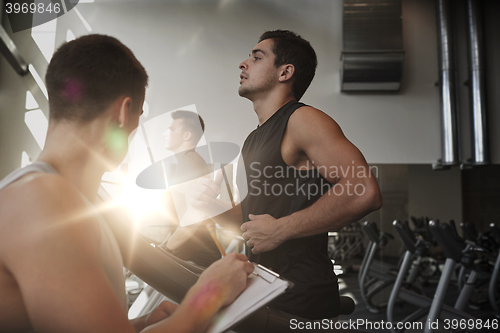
(195, 49)
(192, 49)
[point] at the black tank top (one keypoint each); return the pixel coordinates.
(279, 190)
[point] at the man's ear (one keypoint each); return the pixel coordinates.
(187, 135)
(125, 107)
(286, 72)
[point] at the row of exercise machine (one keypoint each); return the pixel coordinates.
(471, 264)
(346, 243)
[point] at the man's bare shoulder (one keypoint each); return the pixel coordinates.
(192, 157)
(308, 123)
(49, 250)
(37, 207)
(191, 166)
(39, 193)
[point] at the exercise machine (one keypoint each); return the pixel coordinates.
(375, 277)
(494, 287)
(431, 308)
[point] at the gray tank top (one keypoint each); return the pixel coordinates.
(109, 251)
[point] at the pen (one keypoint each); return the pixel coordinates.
(211, 230)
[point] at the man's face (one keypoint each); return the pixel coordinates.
(174, 134)
(258, 73)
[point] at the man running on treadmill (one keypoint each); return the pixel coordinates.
(60, 265)
(191, 240)
(304, 178)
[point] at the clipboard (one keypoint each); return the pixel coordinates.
(263, 286)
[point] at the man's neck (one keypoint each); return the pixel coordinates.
(185, 146)
(265, 108)
(74, 158)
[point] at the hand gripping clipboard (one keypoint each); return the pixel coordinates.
(263, 286)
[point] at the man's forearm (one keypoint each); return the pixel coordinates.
(330, 212)
(264, 232)
(224, 215)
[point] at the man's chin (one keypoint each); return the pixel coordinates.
(243, 92)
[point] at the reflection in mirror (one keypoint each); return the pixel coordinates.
(167, 156)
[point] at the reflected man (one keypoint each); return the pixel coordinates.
(191, 240)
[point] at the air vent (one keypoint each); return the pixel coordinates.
(372, 57)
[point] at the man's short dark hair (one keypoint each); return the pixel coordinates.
(193, 122)
(87, 74)
(290, 48)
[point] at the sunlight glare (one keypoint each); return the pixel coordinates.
(141, 204)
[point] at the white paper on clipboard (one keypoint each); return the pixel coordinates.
(263, 286)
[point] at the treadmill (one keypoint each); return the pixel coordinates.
(173, 277)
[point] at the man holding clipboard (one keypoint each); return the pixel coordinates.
(296, 193)
(61, 269)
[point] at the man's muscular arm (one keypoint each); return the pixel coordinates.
(314, 136)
